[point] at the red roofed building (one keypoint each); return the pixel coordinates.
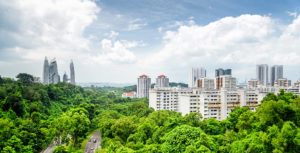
(162, 81)
(143, 86)
(129, 94)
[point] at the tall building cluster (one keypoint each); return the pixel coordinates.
(50, 73)
(214, 97)
(274, 78)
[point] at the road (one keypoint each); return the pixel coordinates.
(91, 144)
(50, 148)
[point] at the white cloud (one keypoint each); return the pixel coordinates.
(112, 34)
(56, 29)
(239, 42)
(136, 24)
(293, 14)
(116, 52)
(53, 28)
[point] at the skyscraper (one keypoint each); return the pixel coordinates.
(46, 71)
(143, 86)
(227, 71)
(262, 74)
(276, 73)
(53, 72)
(65, 78)
(162, 81)
(220, 72)
(195, 74)
(72, 73)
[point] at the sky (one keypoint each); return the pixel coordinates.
(118, 40)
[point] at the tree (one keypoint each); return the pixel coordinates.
(79, 123)
(123, 127)
(25, 78)
(211, 126)
(246, 121)
(15, 102)
(60, 149)
(275, 112)
(3, 93)
(192, 119)
(6, 130)
(1, 80)
(179, 138)
(234, 115)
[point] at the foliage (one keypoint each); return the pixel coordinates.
(33, 116)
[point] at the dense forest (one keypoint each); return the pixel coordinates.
(33, 115)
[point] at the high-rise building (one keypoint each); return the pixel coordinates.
(276, 73)
(262, 74)
(225, 81)
(282, 82)
(227, 71)
(65, 78)
(253, 83)
(162, 81)
(53, 72)
(220, 72)
(195, 74)
(46, 71)
(143, 86)
(72, 73)
(206, 83)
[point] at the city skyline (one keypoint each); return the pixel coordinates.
(116, 41)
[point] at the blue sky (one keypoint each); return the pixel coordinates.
(117, 40)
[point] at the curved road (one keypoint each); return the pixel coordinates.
(50, 148)
(93, 145)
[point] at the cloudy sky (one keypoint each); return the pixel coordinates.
(117, 40)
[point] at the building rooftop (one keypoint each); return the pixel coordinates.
(143, 76)
(162, 76)
(129, 93)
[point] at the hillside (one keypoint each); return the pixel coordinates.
(32, 115)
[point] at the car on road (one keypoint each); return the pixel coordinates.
(92, 148)
(94, 140)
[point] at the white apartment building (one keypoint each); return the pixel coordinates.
(282, 82)
(253, 83)
(162, 81)
(210, 103)
(206, 83)
(143, 86)
(195, 74)
(225, 81)
(166, 97)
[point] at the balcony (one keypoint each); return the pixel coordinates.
(214, 106)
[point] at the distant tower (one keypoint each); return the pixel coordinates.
(143, 86)
(220, 72)
(53, 72)
(72, 73)
(46, 71)
(195, 74)
(276, 73)
(162, 81)
(262, 74)
(65, 78)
